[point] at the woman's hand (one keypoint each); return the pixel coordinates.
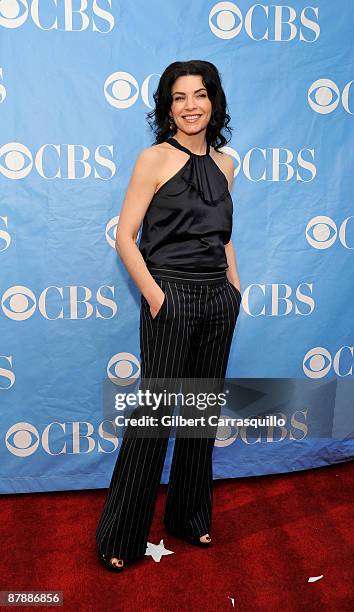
(235, 285)
(235, 282)
(157, 302)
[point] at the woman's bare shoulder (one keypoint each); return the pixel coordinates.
(158, 162)
(224, 161)
(155, 153)
(225, 158)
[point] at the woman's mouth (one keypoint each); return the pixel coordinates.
(191, 118)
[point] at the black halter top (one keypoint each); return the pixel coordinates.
(189, 219)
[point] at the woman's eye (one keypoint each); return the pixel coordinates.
(203, 95)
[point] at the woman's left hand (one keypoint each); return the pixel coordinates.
(235, 285)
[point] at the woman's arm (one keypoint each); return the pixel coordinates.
(138, 196)
(231, 273)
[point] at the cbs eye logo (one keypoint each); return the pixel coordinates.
(22, 439)
(324, 96)
(16, 166)
(111, 231)
(121, 89)
(123, 369)
(228, 22)
(321, 232)
(21, 303)
(318, 362)
(13, 13)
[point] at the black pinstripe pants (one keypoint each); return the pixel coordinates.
(189, 337)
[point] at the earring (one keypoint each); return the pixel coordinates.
(212, 119)
(172, 123)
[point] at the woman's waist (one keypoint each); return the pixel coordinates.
(188, 276)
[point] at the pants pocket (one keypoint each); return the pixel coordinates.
(236, 292)
(162, 307)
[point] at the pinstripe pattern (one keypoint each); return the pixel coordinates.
(189, 337)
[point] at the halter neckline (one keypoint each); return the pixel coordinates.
(203, 174)
(178, 145)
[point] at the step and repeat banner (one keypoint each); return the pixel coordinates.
(77, 79)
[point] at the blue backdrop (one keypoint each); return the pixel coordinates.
(76, 82)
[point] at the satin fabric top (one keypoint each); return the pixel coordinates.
(189, 219)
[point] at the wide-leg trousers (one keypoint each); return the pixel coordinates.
(190, 337)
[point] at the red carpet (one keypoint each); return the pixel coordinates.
(270, 534)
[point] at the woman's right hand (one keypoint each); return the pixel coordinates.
(157, 302)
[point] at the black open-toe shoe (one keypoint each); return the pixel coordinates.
(107, 563)
(189, 538)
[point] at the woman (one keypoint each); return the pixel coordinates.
(185, 269)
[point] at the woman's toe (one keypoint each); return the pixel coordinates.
(205, 538)
(117, 562)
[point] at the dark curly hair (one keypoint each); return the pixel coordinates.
(158, 118)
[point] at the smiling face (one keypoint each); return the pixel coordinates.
(191, 107)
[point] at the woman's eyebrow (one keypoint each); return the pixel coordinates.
(196, 91)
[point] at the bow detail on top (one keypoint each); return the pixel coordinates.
(206, 177)
(203, 173)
